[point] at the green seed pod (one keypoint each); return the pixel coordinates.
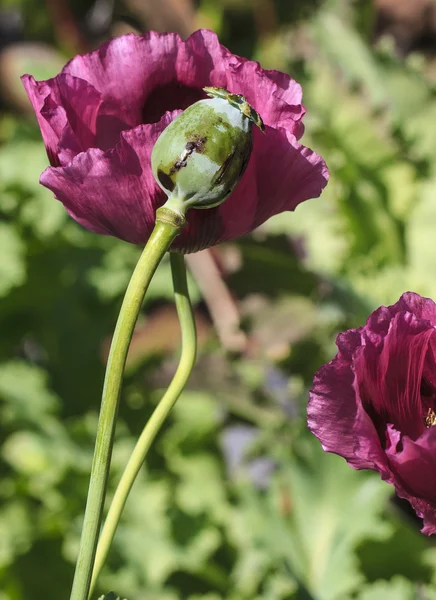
(201, 156)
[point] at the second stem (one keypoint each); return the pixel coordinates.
(187, 360)
(168, 226)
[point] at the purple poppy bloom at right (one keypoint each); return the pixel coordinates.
(375, 402)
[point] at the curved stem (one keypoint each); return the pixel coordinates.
(187, 360)
(168, 226)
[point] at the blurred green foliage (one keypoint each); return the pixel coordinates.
(237, 501)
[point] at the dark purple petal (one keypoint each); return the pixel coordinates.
(38, 92)
(422, 308)
(151, 74)
(348, 342)
(70, 108)
(335, 415)
(281, 174)
(414, 468)
(428, 380)
(389, 375)
(73, 116)
(379, 321)
(114, 192)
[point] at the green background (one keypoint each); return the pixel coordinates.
(237, 500)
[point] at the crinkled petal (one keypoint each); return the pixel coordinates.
(389, 375)
(348, 342)
(69, 108)
(274, 95)
(114, 192)
(337, 418)
(379, 321)
(126, 69)
(280, 175)
(175, 73)
(81, 103)
(73, 116)
(422, 308)
(414, 469)
(38, 92)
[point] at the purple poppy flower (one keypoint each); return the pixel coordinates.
(375, 402)
(101, 116)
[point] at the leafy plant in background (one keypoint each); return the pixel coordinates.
(294, 284)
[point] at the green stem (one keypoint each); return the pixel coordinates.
(187, 360)
(168, 226)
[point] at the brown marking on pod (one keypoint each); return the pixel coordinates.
(197, 144)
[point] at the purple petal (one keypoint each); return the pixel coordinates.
(337, 418)
(389, 375)
(422, 308)
(114, 192)
(281, 174)
(414, 469)
(175, 73)
(126, 69)
(73, 116)
(274, 95)
(38, 92)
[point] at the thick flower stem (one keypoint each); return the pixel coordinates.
(168, 226)
(187, 360)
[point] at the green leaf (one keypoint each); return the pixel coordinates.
(12, 173)
(111, 277)
(396, 589)
(313, 518)
(144, 539)
(31, 456)
(196, 417)
(193, 497)
(25, 394)
(334, 508)
(210, 596)
(38, 209)
(44, 214)
(345, 48)
(15, 531)
(12, 259)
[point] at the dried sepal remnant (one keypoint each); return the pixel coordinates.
(375, 402)
(239, 102)
(101, 116)
(430, 418)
